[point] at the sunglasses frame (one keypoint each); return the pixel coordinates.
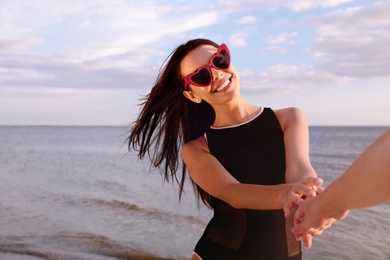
(188, 78)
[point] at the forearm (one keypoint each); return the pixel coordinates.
(260, 197)
(365, 183)
(214, 179)
(296, 140)
(299, 173)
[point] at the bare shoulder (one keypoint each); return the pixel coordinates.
(197, 145)
(289, 112)
(290, 115)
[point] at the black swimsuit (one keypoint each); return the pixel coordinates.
(254, 153)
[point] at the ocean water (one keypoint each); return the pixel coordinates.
(76, 193)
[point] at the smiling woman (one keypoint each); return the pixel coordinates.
(245, 161)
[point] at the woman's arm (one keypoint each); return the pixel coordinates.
(365, 183)
(296, 140)
(213, 178)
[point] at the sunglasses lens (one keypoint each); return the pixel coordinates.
(222, 60)
(203, 77)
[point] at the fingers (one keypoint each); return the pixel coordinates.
(299, 225)
(300, 229)
(294, 197)
(298, 236)
(307, 240)
(308, 237)
(316, 232)
(302, 189)
(319, 189)
(328, 224)
(312, 181)
(287, 210)
(310, 187)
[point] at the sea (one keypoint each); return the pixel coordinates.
(75, 192)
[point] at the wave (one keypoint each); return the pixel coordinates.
(120, 205)
(77, 246)
(149, 212)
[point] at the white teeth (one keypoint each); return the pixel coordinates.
(223, 86)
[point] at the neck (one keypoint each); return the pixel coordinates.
(234, 112)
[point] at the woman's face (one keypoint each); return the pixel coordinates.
(224, 82)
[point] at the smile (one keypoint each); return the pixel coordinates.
(224, 85)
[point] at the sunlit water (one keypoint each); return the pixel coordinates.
(75, 193)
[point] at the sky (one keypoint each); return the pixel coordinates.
(81, 62)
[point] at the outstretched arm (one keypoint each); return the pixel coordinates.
(296, 140)
(212, 177)
(298, 166)
(365, 183)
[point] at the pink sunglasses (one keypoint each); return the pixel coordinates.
(202, 77)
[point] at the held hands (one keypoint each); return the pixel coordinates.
(311, 217)
(311, 188)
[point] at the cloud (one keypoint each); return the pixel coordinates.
(349, 44)
(354, 42)
(283, 78)
(237, 40)
(37, 71)
(295, 5)
(8, 45)
(277, 50)
(277, 42)
(89, 44)
(247, 19)
(103, 44)
(282, 38)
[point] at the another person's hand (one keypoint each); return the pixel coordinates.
(310, 218)
(297, 198)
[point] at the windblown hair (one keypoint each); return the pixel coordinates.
(167, 120)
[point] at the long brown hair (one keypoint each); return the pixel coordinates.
(167, 120)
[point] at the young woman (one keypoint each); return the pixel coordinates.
(246, 162)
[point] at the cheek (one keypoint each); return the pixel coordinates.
(199, 91)
(233, 70)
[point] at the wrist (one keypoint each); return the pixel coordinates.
(284, 193)
(329, 206)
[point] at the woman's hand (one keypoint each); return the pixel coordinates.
(295, 195)
(296, 198)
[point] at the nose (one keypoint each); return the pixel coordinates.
(216, 73)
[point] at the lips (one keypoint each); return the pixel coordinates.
(223, 85)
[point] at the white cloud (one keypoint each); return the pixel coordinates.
(282, 78)
(93, 27)
(354, 42)
(277, 43)
(277, 50)
(282, 38)
(237, 40)
(37, 71)
(247, 19)
(88, 44)
(295, 5)
(10, 45)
